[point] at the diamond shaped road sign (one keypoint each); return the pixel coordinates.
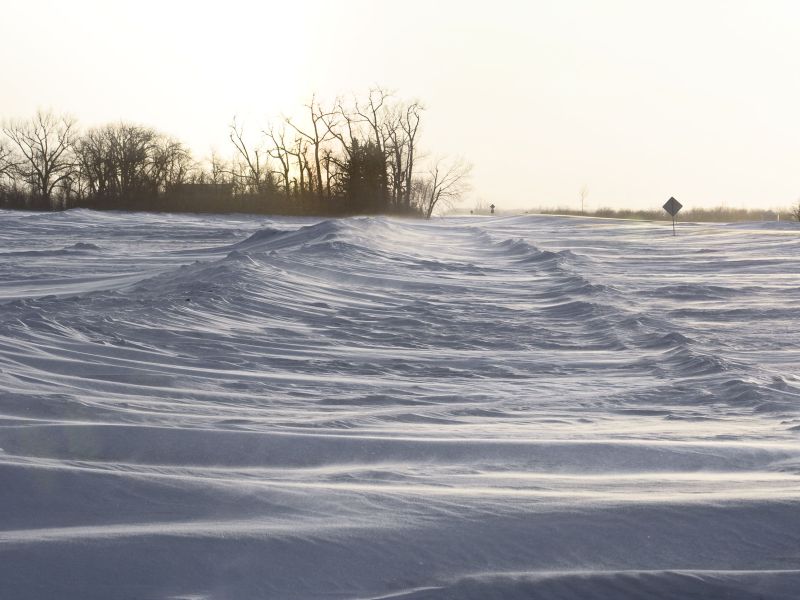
(672, 206)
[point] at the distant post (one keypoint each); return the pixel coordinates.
(672, 206)
(492, 208)
(583, 193)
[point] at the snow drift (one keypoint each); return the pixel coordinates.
(520, 407)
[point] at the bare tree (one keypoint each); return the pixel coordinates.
(410, 125)
(118, 161)
(796, 210)
(96, 157)
(123, 162)
(305, 165)
(217, 169)
(8, 164)
(299, 151)
(255, 169)
(332, 165)
(343, 125)
(316, 137)
(395, 153)
(373, 113)
(401, 127)
(280, 151)
(324, 145)
(445, 182)
(45, 143)
(171, 164)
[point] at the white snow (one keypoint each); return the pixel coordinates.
(515, 407)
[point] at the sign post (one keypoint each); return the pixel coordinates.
(672, 206)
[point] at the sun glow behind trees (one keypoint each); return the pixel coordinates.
(360, 155)
(637, 100)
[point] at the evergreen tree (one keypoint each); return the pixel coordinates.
(364, 181)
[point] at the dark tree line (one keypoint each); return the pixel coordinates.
(356, 157)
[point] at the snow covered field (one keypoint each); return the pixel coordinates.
(207, 407)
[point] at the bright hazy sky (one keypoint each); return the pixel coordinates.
(637, 100)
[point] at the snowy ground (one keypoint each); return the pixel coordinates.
(519, 407)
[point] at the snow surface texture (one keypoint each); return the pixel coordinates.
(529, 407)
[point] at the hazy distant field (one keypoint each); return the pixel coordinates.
(512, 407)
